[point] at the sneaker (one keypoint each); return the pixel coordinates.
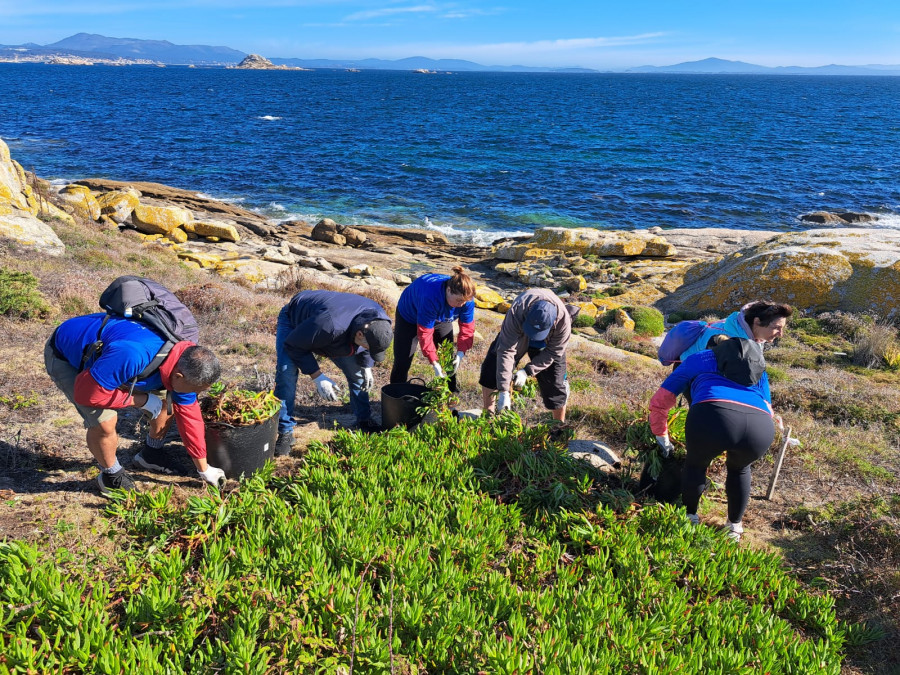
(368, 426)
(154, 459)
(733, 530)
(284, 444)
(693, 519)
(120, 480)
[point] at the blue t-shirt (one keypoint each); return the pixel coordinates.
(128, 348)
(424, 302)
(700, 372)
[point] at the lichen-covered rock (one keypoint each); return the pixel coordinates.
(204, 260)
(604, 243)
(486, 298)
(586, 309)
(621, 319)
(575, 284)
(360, 271)
(825, 269)
(159, 219)
(213, 228)
(82, 200)
(508, 268)
(177, 236)
(118, 205)
(28, 230)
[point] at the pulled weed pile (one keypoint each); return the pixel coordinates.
(239, 407)
(465, 546)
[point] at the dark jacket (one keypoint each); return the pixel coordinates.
(324, 323)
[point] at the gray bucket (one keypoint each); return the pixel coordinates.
(399, 404)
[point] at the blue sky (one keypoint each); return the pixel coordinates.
(594, 34)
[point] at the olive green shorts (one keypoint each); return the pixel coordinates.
(63, 375)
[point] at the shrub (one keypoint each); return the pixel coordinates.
(648, 321)
(19, 296)
(584, 320)
(875, 346)
(616, 289)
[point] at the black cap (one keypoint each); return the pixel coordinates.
(740, 360)
(378, 336)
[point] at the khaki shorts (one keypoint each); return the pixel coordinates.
(63, 375)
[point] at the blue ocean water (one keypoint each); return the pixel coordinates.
(475, 154)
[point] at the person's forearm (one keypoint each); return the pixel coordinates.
(315, 374)
(200, 463)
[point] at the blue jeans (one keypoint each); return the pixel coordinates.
(286, 374)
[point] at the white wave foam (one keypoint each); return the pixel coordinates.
(226, 200)
(268, 118)
(476, 236)
(890, 221)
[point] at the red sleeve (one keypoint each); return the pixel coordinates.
(466, 337)
(660, 405)
(91, 394)
(426, 342)
(191, 427)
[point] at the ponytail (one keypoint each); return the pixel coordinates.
(461, 283)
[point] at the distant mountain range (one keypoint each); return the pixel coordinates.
(85, 47)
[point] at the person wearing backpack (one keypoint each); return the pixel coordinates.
(538, 323)
(425, 314)
(98, 382)
(351, 330)
(731, 412)
(760, 321)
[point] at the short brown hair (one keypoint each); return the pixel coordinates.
(461, 283)
(765, 311)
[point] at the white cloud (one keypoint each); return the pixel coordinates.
(390, 11)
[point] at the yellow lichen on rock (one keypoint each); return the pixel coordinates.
(82, 200)
(177, 236)
(587, 309)
(503, 307)
(118, 205)
(621, 319)
(159, 219)
(486, 298)
(208, 229)
(205, 260)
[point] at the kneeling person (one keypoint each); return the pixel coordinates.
(351, 330)
(109, 382)
(538, 324)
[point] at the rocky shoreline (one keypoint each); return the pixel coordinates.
(695, 270)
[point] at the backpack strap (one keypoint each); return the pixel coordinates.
(95, 347)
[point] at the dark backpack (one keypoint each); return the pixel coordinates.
(680, 338)
(153, 305)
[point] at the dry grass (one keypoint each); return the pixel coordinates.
(873, 346)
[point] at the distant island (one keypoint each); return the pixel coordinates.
(89, 49)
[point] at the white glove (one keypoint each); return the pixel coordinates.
(213, 476)
(153, 406)
(779, 423)
(504, 401)
(519, 379)
(665, 445)
(457, 360)
(326, 388)
(368, 380)
(438, 371)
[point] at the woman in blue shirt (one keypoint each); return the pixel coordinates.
(731, 412)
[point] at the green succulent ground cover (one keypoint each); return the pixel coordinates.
(465, 546)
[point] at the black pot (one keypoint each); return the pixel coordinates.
(399, 404)
(241, 450)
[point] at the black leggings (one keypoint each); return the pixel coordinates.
(406, 341)
(742, 432)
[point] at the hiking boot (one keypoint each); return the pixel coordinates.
(733, 530)
(120, 480)
(693, 519)
(284, 444)
(155, 459)
(368, 426)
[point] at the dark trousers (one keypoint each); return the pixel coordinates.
(742, 432)
(406, 341)
(551, 381)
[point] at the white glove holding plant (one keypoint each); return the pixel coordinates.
(153, 406)
(213, 476)
(457, 360)
(438, 371)
(519, 378)
(504, 401)
(665, 445)
(368, 380)
(326, 388)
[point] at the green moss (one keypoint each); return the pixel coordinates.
(19, 296)
(616, 289)
(584, 321)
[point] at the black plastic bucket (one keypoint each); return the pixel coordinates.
(399, 404)
(241, 450)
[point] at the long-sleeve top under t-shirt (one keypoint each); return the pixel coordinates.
(424, 303)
